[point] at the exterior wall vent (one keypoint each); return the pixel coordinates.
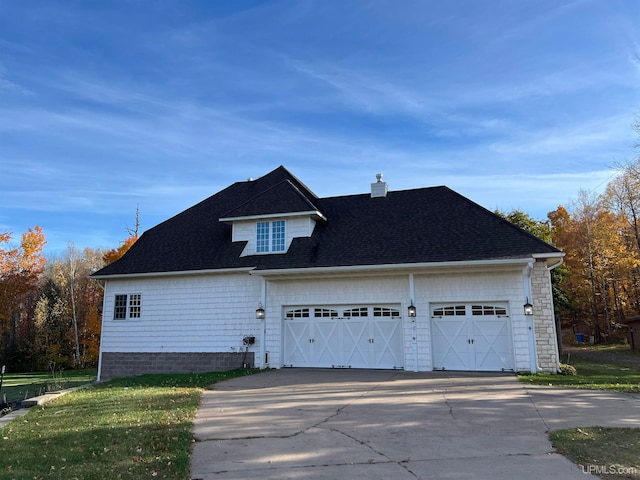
(380, 188)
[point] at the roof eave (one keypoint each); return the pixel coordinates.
(179, 273)
(427, 267)
(311, 213)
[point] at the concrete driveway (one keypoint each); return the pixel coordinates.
(372, 424)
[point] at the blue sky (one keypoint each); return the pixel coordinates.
(108, 106)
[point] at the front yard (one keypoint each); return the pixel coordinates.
(132, 428)
(611, 453)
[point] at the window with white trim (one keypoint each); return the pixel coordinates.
(452, 310)
(270, 236)
(127, 306)
(297, 313)
(357, 312)
(385, 312)
(488, 310)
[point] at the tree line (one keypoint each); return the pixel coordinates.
(597, 288)
(50, 311)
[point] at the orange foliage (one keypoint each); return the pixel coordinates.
(117, 253)
(19, 270)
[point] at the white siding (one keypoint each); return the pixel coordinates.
(184, 314)
(212, 313)
(295, 227)
(503, 286)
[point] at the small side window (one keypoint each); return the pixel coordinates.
(127, 306)
(120, 307)
(134, 305)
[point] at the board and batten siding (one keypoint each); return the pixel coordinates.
(205, 313)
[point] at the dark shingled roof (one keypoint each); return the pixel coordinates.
(412, 226)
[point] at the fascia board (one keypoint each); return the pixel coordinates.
(181, 273)
(313, 213)
(403, 267)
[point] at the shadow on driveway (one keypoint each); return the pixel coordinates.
(314, 423)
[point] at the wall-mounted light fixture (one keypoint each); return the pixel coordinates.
(528, 308)
(260, 312)
(412, 310)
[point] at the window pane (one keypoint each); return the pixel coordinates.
(120, 308)
(278, 237)
(262, 237)
(134, 305)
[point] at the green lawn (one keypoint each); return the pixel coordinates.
(132, 428)
(592, 375)
(18, 386)
(611, 453)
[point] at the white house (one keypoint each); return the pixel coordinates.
(265, 273)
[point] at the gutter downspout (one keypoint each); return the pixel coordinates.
(414, 325)
(533, 351)
(263, 331)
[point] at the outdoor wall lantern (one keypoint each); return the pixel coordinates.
(528, 308)
(412, 310)
(260, 312)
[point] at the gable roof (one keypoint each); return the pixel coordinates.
(282, 198)
(422, 225)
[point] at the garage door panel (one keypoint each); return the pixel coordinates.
(450, 344)
(356, 343)
(297, 343)
(387, 343)
(354, 337)
(473, 337)
(326, 343)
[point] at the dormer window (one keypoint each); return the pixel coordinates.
(270, 236)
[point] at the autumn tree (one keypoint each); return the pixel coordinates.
(117, 253)
(20, 268)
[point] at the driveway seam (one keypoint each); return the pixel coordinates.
(530, 396)
(365, 444)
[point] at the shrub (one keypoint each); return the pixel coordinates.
(566, 369)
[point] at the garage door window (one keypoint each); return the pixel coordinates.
(357, 312)
(385, 312)
(298, 313)
(452, 310)
(488, 310)
(325, 313)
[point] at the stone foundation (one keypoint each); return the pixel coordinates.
(126, 364)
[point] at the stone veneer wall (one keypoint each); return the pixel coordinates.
(544, 318)
(125, 364)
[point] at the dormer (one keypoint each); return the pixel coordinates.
(269, 221)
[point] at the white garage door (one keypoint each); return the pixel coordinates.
(343, 337)
(474, 337)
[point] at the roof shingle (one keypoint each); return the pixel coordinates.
(423, 225)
